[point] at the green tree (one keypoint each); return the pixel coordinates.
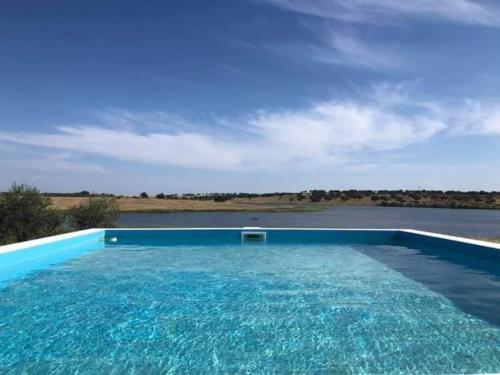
(97, 213)
(222, 198)
(144, 195)
(26, 214)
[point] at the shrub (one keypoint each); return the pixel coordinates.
(221, 198)
(318, 195)
(98, 213)
(160, 196)
(335, 194)
(315, 198)
(144, 195)
(26, 214)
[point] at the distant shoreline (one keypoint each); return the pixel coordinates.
(294, 202)
(162, 211)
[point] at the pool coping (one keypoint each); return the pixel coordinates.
(47, 240)
(448, 237)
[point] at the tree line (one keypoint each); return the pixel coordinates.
(217, 197)
(390, 198)
(26, 213)
(410, 198)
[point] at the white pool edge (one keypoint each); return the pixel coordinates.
(448, 237)
(47, 240)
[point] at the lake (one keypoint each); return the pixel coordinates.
(450, 221)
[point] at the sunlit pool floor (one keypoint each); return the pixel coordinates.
(255, 309)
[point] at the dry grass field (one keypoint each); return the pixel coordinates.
(270, 204)
(288, 202)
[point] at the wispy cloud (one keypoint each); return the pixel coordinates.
(161, 148)
(14, 157)
(325, 133)
(382, 11)
(346, 49)
(476, 118)
(343, 48)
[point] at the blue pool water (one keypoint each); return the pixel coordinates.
(232, 308)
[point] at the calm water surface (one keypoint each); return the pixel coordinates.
(458, 222)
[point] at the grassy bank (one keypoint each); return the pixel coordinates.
(294, 202)
(154, 205)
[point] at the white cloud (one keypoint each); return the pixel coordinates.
(151, 121)
(476, 118)
(380, 11)
(182, 149)
(341, 127)
(325, 133)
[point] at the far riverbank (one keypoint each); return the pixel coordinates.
(461, 222)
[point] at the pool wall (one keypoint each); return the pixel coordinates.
(19, 259)
(203, 236)
(442, 242)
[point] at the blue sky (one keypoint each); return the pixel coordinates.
(250, 95)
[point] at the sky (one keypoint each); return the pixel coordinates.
(192, 96)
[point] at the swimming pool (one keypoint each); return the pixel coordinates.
(207, 301)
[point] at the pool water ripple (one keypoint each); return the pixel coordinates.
(236, 309)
